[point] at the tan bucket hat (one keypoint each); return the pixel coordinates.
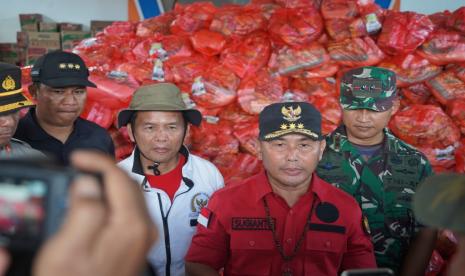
(158, 97)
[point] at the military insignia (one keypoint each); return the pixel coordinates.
(70, 65)
(62, 66)
(283, 127)
(366, 88)
(291, 114)
(300, 126)
(199, 201)
(8, 83)
(366, 225)
(77, 66)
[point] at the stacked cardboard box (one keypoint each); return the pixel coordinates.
(37, 38)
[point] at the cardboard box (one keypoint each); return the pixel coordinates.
(64, 26)
(21, 39)
(30, 21)
(9, 53)
(32, 54)
(47, 40)
(69, 39)
(48, 27)
(98, 26)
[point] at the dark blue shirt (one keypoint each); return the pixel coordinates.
(85, 135)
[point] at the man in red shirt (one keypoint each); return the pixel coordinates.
(285, 220)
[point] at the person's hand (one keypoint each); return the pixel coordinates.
(106, 232)
(4, 261)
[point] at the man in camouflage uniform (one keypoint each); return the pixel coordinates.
(380, 171)
(12, 100)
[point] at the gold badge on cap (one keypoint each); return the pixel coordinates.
(291, 114)
(8, 83)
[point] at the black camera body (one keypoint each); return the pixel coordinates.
(33, 202)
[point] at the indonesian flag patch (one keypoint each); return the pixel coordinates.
(204, 217)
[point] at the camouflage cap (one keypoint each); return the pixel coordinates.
(368, 88)
(440, 202)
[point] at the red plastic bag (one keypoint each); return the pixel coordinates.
(295, 27)
(260, 90)
(403, 32)
(339, 9)
(98, 113)
(216, 87)
(207, 42)
(214, 137)
(410, 69)
(328, 69)
(288, 61)
(123, 146)
(441, 159)
(439, 19)
(355, 52)
(456, 110)
(247, 56)
(459, 71)
(247, 134)
(444, 46)
(315, 85)
(416, 94)
(425, 125)
(235, 114)
(236, 167)
(457, 20)
(192, 17)
(447, 87)
(299, 3)
(184, 69)
(121, 29)
(460, 157)
(163, 48)
(435, 264)
(139, 71)
(238, 21)
(116, 93)
(331, 112)
(155, 25)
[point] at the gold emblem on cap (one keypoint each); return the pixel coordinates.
(300, 126)
(62, 66)
(77, 66)
(283, 126)
(8, 83)
(291, 114)
(70, 65)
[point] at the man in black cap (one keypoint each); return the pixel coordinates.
(53, 126)
(285, 220)
(12, 100)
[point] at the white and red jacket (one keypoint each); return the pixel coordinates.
(176, 221)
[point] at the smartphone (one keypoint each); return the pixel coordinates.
(368, 272)
(33, 201)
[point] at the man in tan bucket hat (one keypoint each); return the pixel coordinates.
(176, 183)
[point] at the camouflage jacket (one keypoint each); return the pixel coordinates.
(383, 186)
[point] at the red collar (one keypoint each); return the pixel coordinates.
(262, 186)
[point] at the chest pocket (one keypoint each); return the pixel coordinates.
(324, 251)
(247, 245)
(330, 169)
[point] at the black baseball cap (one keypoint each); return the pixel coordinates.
(279, 119)
(61, 69)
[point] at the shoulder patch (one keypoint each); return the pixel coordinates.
(204, 217)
